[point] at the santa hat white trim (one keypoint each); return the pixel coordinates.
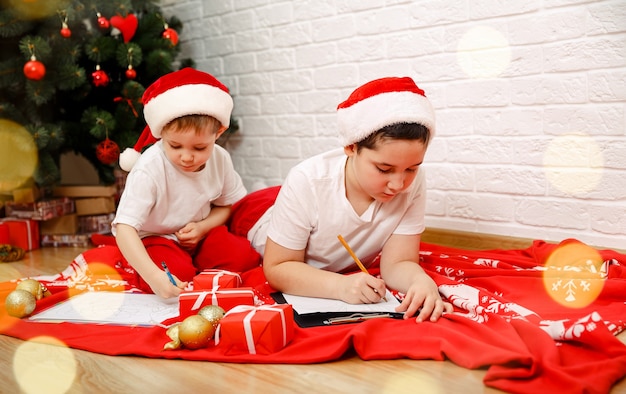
(359, 120)
(193, 99)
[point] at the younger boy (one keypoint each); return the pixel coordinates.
(179, 193)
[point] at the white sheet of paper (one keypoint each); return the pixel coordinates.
(304, 305)
(106, 307)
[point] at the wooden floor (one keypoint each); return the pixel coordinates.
(86, 372)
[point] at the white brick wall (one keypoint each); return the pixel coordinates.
(530, 98)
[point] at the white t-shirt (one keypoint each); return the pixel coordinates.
(159, 199)
(312, 209)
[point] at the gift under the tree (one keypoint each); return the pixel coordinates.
(42, 209)
(100, 224)
(23, 233)
(59, 240)
(190, 302)
(4, 234)
(66, 224)
(211, 279)
(261, 329)
(95, 206)
(85, 191)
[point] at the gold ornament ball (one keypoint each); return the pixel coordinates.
(20, 303)
(195, 332)
(213, 313)
(172, 332)
(32, 286)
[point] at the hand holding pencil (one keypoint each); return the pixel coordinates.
(356, 259)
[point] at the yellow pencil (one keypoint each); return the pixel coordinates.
(355, 258)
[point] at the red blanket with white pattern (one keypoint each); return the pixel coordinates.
(541, 319)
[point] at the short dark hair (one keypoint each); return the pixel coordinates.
(397, 131)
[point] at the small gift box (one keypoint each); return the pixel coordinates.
(4, 234)
(261, 329)
(41, 210)
(213, 279)
(100, 224)
(23, 233)
(190, 302)
(60, 240)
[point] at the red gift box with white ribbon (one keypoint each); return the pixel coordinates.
(190, 302)
(23, 233)
(263, 329)
(210, 279)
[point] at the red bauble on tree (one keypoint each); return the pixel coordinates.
(170, 34)
(131, 73)
(100, 78)
(107, 152)
(34, 69)
(103, 22)
(65, 31)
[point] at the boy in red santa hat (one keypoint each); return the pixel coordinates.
(372, 191)
(179, 191)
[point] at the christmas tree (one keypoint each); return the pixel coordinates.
(72, 73)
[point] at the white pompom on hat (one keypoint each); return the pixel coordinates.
(184, 92)
(380, 103)
(131, 155)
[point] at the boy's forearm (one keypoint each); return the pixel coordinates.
(134, 251)
(400, 275)
(217, 217)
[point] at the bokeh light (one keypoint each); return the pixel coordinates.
(483, 52)
(44, 365)
(18, 155)
(573, 163)
(100, 277)
(574, 276)
(35, 9)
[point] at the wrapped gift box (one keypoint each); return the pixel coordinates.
(66, 224)
(85, 191)
(23, 233)
(41, 210)
(4, 234)
(95, 206)
(100, 224)
(262, 329)
(190, 302)
(60, 240)
(26, 195)
(216, 279)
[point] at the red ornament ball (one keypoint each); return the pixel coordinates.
(171, 34)
(100, 78)
(131, 73)
(34, 69)
(103, 23)
(66, 32)
(107, 152)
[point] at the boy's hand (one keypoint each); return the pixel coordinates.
(189, 236)
(424, 294)
(162, 286)
(361, 288)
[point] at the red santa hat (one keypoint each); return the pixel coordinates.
(184, 92)
(383, 102)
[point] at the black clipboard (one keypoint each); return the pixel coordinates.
(306, 320)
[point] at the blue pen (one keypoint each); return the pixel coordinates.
(169, 274)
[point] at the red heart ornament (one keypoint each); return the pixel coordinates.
(127, 26)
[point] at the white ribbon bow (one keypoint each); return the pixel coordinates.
(202, 295)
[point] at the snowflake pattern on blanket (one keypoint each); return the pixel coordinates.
(541, 319)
